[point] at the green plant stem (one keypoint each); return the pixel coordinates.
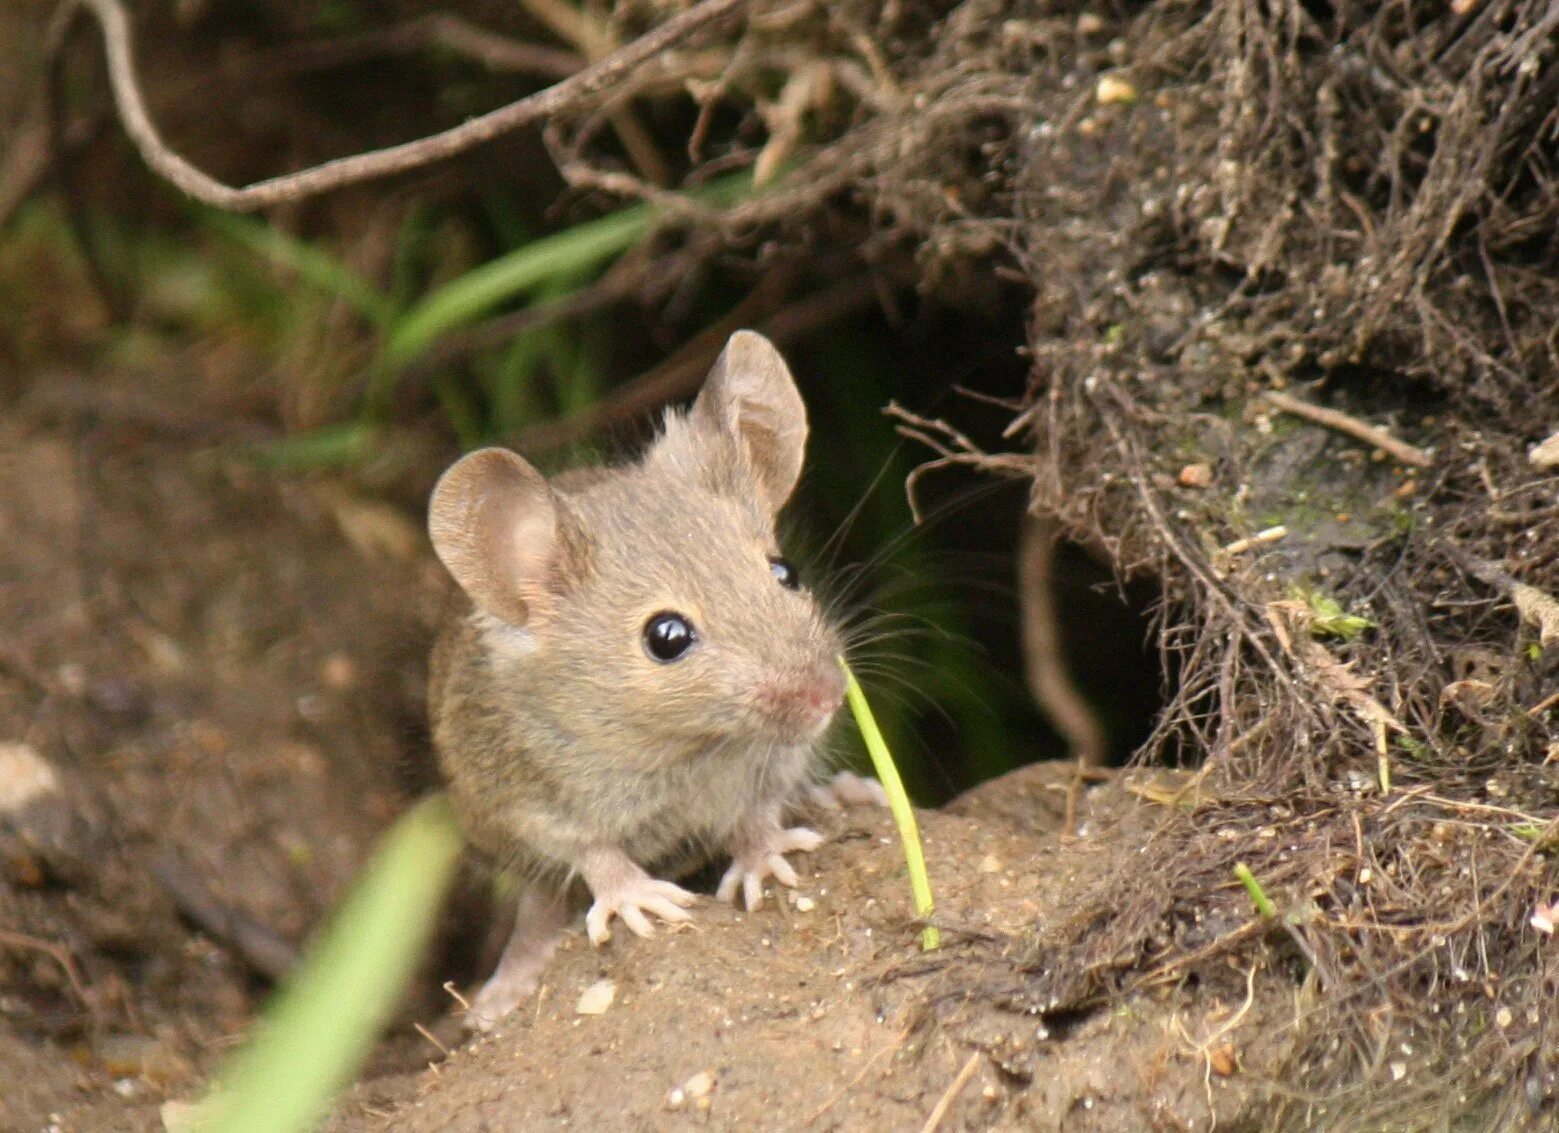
(1258, 895)
(316, 268)
(317, 1032)
(898, 802)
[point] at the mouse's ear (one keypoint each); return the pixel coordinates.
(751, 397)
(494, 525)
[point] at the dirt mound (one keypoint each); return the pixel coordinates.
(823, 1012)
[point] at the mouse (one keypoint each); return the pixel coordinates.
(636, 681)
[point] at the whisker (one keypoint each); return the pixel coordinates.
(835, 543)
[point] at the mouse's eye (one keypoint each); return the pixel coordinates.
(668, 636)
(787, 575)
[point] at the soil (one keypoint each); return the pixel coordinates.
(222, 685)
(221, 667)
(823, 1012)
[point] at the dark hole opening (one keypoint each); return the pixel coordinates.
(948, 676)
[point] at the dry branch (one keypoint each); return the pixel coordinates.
(1536, 607)
(1352, 426)
(334, 174)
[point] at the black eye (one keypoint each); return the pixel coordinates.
(668, 636)
(787, 576)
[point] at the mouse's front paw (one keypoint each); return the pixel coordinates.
(632, 898)
(757, 858)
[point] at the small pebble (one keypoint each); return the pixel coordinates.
(1543, 918)
(1222, 1060)
(1113, 88)
(597, 998)
(24, 776)
(1199, 475)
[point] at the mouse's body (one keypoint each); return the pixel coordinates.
(640, 682)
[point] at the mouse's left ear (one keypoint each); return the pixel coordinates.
(751, 397)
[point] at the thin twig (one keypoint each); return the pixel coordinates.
(29, 155)
(1260, 539)
(610, 289)
(953, 450)
(1049, 676)
(1205, 1048)
(333, 174)
(1195, 564)
(1171, 969)
(55, 952)
(1544, 705)
(672, 378)
(1536, 607)
(592, 37)
(886, 1048)
(257, 944)
(950, 1095)
(1352, 426)
(66, 397)
(61, 168)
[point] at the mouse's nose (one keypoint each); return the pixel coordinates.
(805, 704)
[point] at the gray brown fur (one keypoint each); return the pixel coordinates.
(554, 728)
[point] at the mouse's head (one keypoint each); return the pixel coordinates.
(654, 597)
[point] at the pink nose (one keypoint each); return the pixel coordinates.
(814, 699)
(819, 698)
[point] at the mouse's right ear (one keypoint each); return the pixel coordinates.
(494, 524)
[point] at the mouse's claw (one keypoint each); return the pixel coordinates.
(630, 899)
(848, 789)
(761, 857)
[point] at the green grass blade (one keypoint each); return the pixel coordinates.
(329, 446)
(317, 1032)
(569, 252)
(898, 802)
(313, 266)
(460, 410)
(573, 252)
(1258, 895)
